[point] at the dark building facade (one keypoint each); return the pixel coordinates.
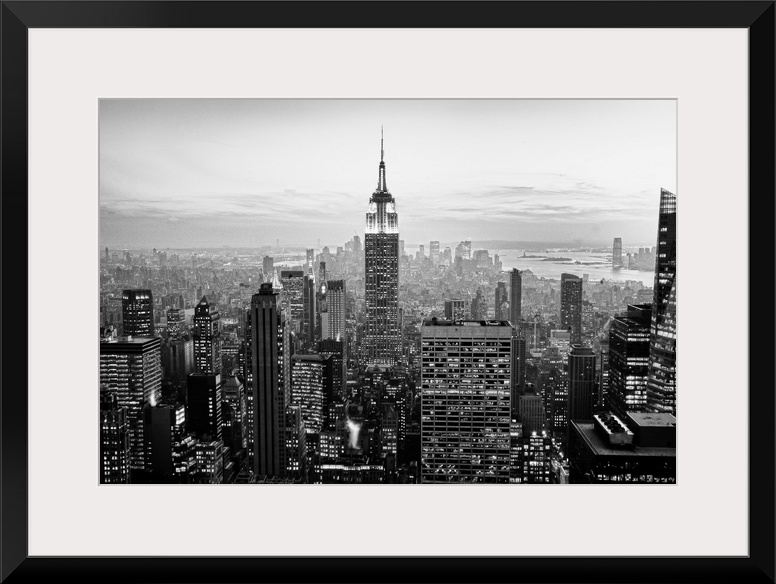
(515, 297)
(582, 383)
(661, 385)
(571, 305)
(268, 349)
(137, 313)
(629, 360)
(203, 405)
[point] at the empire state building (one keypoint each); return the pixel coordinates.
(382, 335)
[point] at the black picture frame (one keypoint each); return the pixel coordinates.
(19, 16)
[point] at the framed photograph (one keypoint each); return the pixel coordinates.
(372, 287)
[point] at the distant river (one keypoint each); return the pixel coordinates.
(512, 258)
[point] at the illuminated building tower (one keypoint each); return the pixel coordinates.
(661, 386)
(337, 351)
(114, 440)
(582, 386)
(308, 301)
(515, 297)
(311, 388)
(502, 302)
(571, 305)
(629, 360)
(465, 401)
(137, 313)
(456, 309)
(382, 335)
(164, 426)
(269, 347)
(203, 405)
(617, 253)
(557, 402)
(207, 338)
(335, 301)
(176, 323)
(433, 250)
(131, 369)
(310, 259)
(292, 296)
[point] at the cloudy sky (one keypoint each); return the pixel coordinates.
(207, 173)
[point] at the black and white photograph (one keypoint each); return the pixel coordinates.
(321, 291)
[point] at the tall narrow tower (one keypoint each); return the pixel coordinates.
(661, 384)
(382, 337)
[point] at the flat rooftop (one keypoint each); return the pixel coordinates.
(473, 323)
(652, 420)
(601, 448)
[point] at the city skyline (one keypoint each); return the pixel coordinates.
(200, 173)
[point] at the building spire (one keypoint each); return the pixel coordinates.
(381, 184)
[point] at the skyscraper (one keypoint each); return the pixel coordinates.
(292, 296)
(268, 348)
(268, 268)
(515, 297)
(433, 250)
(308, 301)
(137, 313)
(131, 369)
(311, 388)
(176, 323)
(661, 385)
(617, 253)
(382, 336)
(581, 383)
(310, 259)
(335, 300)
(629, 360)
(163, 426)
(465, 401)
(203, 399)
(571, 305)
(207, 337)
(502, 302)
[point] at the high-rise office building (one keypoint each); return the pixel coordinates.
(176, 323)
(336, 350)
(571, 305)
(532, 413)
(582, 386)
(629, 360)
(233, 414)
(310, 260)
(515, 297)
(309, 313)
(207, 337)
(502, 302)
(519, 355)
(163, 427)
(137, 313)
(292, 296)
(269, 348)
(661, 385)
(456, 309)
(131, 369)
(382, 335)
(114, 440)
(335, 302)
(203, 405)
(617, 253)
(465, 401)
(268, 268)
(433, 250)
(479, 309)
(311, 388)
